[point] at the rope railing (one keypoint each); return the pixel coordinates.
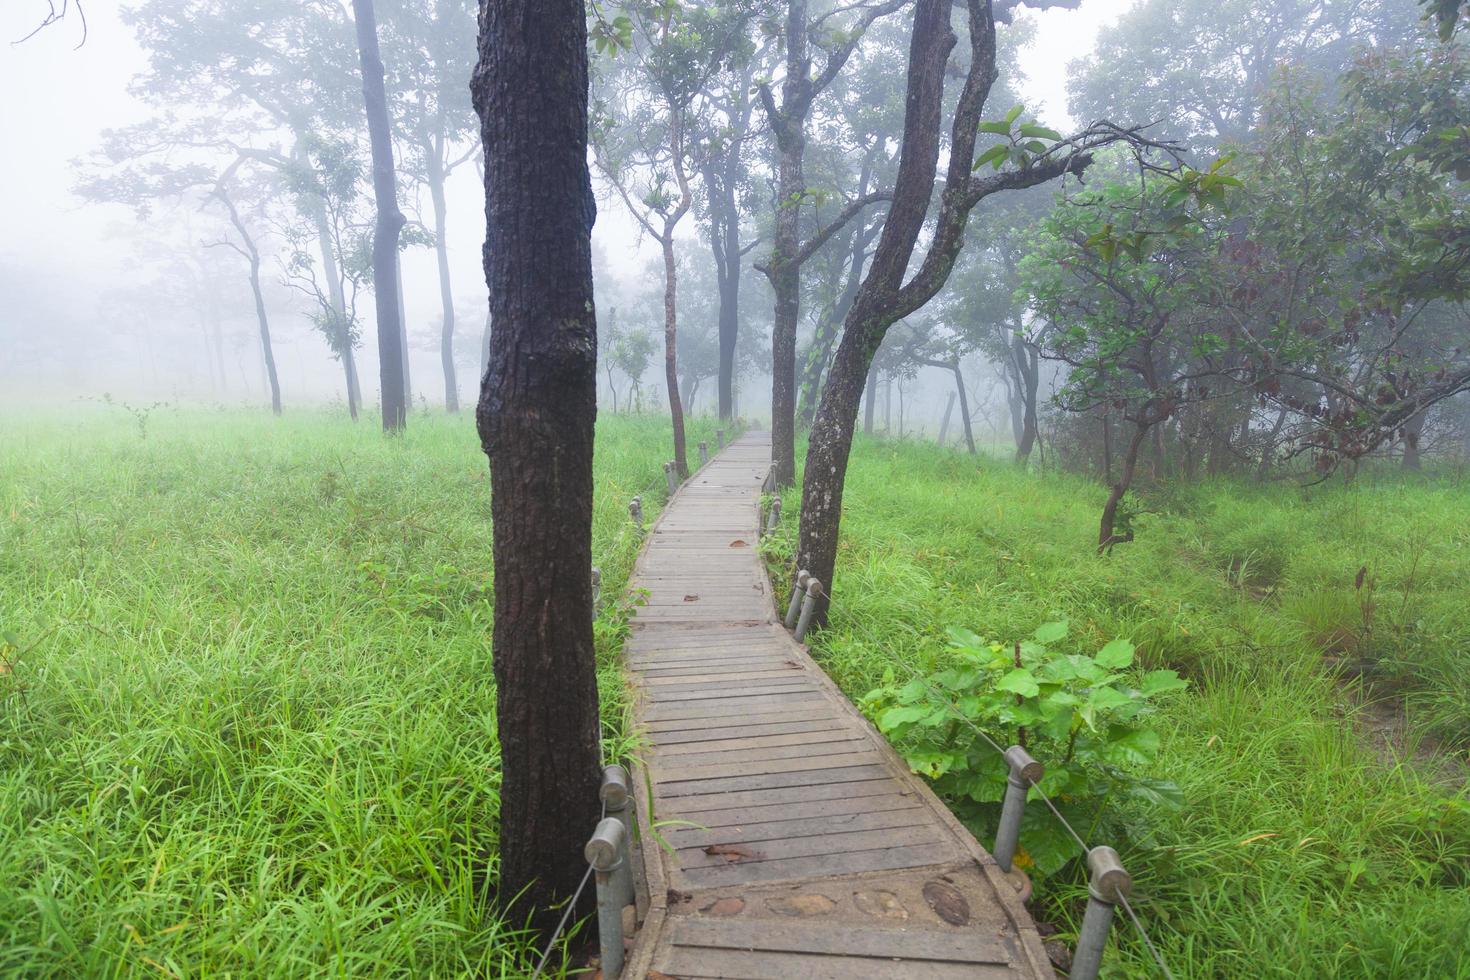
(1109, 883)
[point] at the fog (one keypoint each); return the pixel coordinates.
(95, 300)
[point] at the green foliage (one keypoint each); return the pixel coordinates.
(1308, 844)
(1082, 716)
(1025, 141)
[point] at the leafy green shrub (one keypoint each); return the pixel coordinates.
(1080, 715)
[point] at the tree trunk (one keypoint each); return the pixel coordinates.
(537, 410)
(392, 369)
(944, 424)
(403, 330)
(1106, 537)
(1413, 430)
(870, 400)
(338, 301)
(446, 290)
(485, 346)
(959, 386)
(1028, 369)
(266, 352)
(671, 358)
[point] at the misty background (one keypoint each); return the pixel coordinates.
(95, 300)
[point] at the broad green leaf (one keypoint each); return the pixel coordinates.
(1014, 114)
(998, 128)
(1050, 632)
(896, 716)
(1160, 792)
(1039, 132)
(1019, 681)
(1158, 681)
(963, 638)
(1118, 653)
(1106, 698)
(994, 156)
(1134, 747)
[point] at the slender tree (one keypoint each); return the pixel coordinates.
(788, 123)
(389, 223)
(1029, 154)
(538, 406)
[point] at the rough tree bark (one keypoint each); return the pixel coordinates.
(536, 414)
(944, 423)
(389, 223)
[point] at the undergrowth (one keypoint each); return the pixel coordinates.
(247, 716)
(1297, 850)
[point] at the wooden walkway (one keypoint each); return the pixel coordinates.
(798, 844)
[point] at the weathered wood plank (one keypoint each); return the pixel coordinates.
(954, 946)
(820, 865)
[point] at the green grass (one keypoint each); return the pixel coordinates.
(247, 720)
(1299, 851)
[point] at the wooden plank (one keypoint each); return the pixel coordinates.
(806, 777)
(721, 707)
(786, 725)
(840, 743)
(704, 803)
(952, 946)
(702, 963)
(833, 844)
(913, 815)
(819, 866)
(677, 770)
(838, 732)
(725, 693)
(724, 726)
(751, 817)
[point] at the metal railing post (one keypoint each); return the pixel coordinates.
(635, 511)
(808, 605)
(671, 475)
(797, 591)
(720, 438)
(615, 798)
(775, 516)
(703, 454)
(1107, 883)
(607, 851)
(596, 588)
(1024, 771)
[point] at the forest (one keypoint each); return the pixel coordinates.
(974, 488)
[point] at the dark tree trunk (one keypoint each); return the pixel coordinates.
(537, 410)
(1413, 431)
(959, 387)
(390, 221)
(671, 358)
(446, 289)
(1028, 371)
(1106, 536)
(819, 357)
(944, 424)
(354, 387)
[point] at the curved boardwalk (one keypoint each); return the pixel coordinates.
(798, 843)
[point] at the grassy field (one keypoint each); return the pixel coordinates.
(1299, 850)
(247, 717)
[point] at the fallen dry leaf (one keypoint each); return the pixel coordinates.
(733, 853)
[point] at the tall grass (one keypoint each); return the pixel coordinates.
(247, 717)
(1300, 852)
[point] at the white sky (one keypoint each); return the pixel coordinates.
(57, 99)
